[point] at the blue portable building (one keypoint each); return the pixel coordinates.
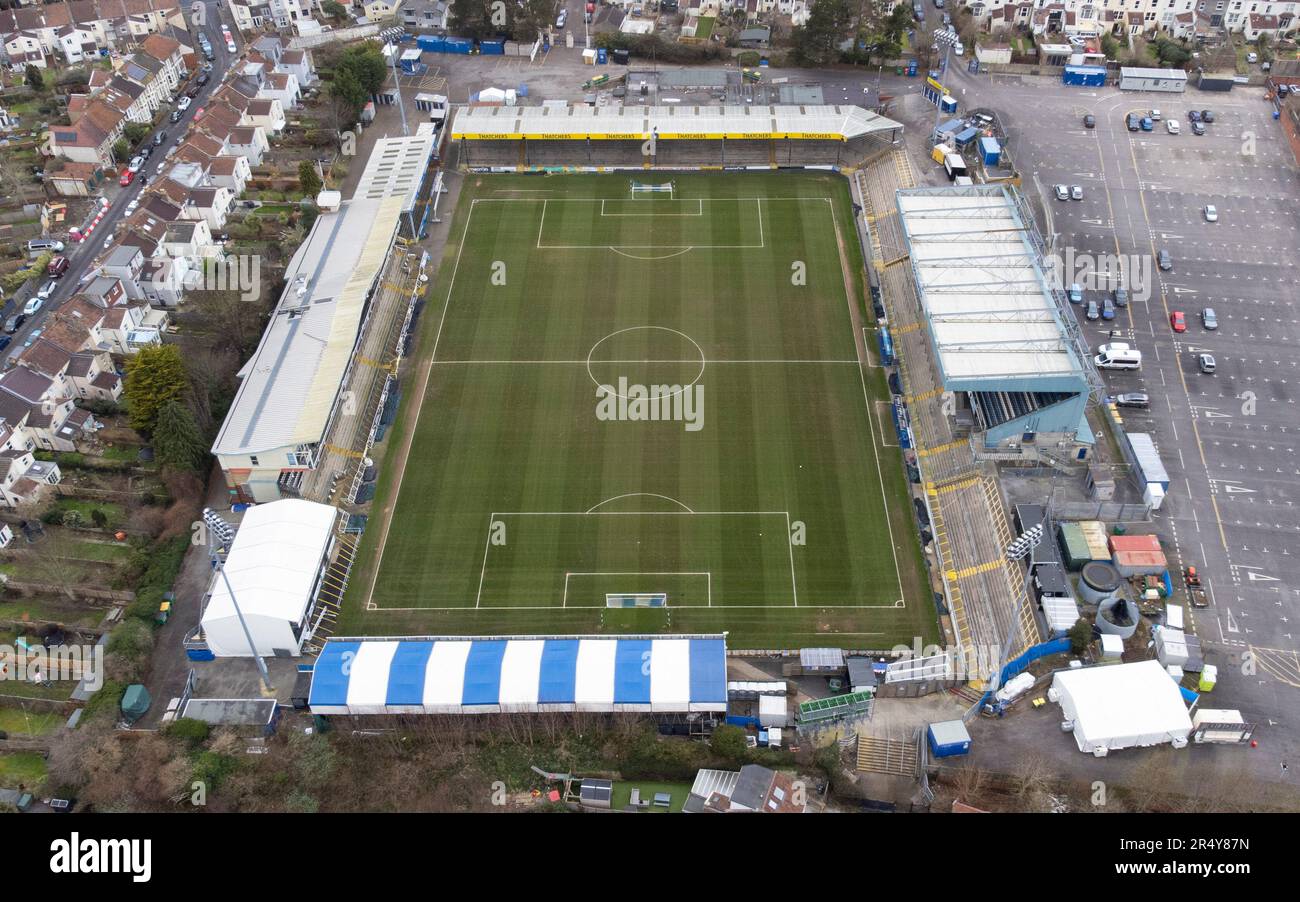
(990, 150)
(911, 68)
(431, 43)
(457, 45)
(492, 48)
(948, 738)
(966, 136)
(1084, 76)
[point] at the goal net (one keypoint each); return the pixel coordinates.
(664, 189)
(640, 600)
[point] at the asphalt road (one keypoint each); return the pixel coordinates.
(81, 256)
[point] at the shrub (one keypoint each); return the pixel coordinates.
(189, 730)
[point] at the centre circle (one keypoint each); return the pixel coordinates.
(661, 340)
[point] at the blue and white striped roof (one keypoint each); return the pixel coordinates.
(464, 675)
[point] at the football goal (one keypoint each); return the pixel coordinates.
(637, 600)
(642, 189)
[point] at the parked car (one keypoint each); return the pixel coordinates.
(1076, 192)
(1093, 311)
(1089, 121)
(33, 305)
(1139, 399)
(132, 206)
(1207, 116)
(1121, 297)
(192, 92)
(1252, 57)
(126, 178)
(231, 48)
(1211, 214)
(58, 266)
(1193, 115)
(1206, 364)
(4, 341)
(136, 162)
(1107, 308)
(1198, 129)
(1155, 115)
(959, 48)
(1164, 261)
(159, 138)
(1177, 321)
(184, 104)
(1209, 319)
(175, 116)
(1172, 126)
(563, 17)
(14, 323)
(1076, 293)
(1148, 124)
(1133, 122)
(203, 79)
(1062, 192)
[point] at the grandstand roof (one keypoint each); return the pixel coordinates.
(577, 122)
(990, 308)
(289, 387)
(520, 674)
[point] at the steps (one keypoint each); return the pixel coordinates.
(887, 756)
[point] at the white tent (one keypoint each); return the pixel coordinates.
(1122, 705)
(274, 567)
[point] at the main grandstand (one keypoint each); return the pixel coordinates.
(582, 137)
(1015, 365)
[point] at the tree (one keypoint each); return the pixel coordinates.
(817, 42)
(121, 150)
(308, 179)
(334, 9)
(34, 79)
(729, 742)
(350, 95)
(154, 376)
(136, 132)
(176, 437)
(1080, 636)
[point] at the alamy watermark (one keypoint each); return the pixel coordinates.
(38, 664)
(637, 403)
(1100, 272)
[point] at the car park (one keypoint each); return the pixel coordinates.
(1206, 363)
(1164, 260)
(1138, 399)
(1177, 321)
(1209, 319)
(1093, 311)
(1076, 192)
(1062, 192)
(1076, 293)
(1211, 214)
(1089, 121)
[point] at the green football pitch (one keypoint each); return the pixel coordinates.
(620, 392)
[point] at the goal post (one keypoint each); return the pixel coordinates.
(644, 189)
(637, 600)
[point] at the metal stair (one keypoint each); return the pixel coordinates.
(896, 757)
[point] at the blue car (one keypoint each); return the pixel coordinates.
(1147, 124)
(1076, 294)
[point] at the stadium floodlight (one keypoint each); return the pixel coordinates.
(1025, 543)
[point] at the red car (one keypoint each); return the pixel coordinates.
(126, 178)
(1177, 322)
(198, 114)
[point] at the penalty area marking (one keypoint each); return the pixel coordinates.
(699, 202)
(682, 248)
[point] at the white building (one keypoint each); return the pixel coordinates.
(1119, 706)
(274, 569)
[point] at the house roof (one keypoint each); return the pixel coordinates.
(27, 384)
(160, 47)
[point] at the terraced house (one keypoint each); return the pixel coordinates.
(76, 29)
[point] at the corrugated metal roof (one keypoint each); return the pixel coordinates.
(990, 310)
(578, 121)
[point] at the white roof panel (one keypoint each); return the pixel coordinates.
(368, 688)
(1121, 705)
(594, 679)
(444, 679)
(520, 670)
(670, 674)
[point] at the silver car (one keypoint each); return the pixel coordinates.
(1062, 192)
(1208, 319)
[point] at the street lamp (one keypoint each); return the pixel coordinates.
(947, 39)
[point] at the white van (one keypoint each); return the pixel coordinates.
(41, 245)
(1118, 356)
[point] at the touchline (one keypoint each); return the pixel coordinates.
(103, 856)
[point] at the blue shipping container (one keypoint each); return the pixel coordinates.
(990, 151)
(1084, 76)
(492, 48)
(948, 738)
(431, 43)
(967, 136)
(457, 45)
